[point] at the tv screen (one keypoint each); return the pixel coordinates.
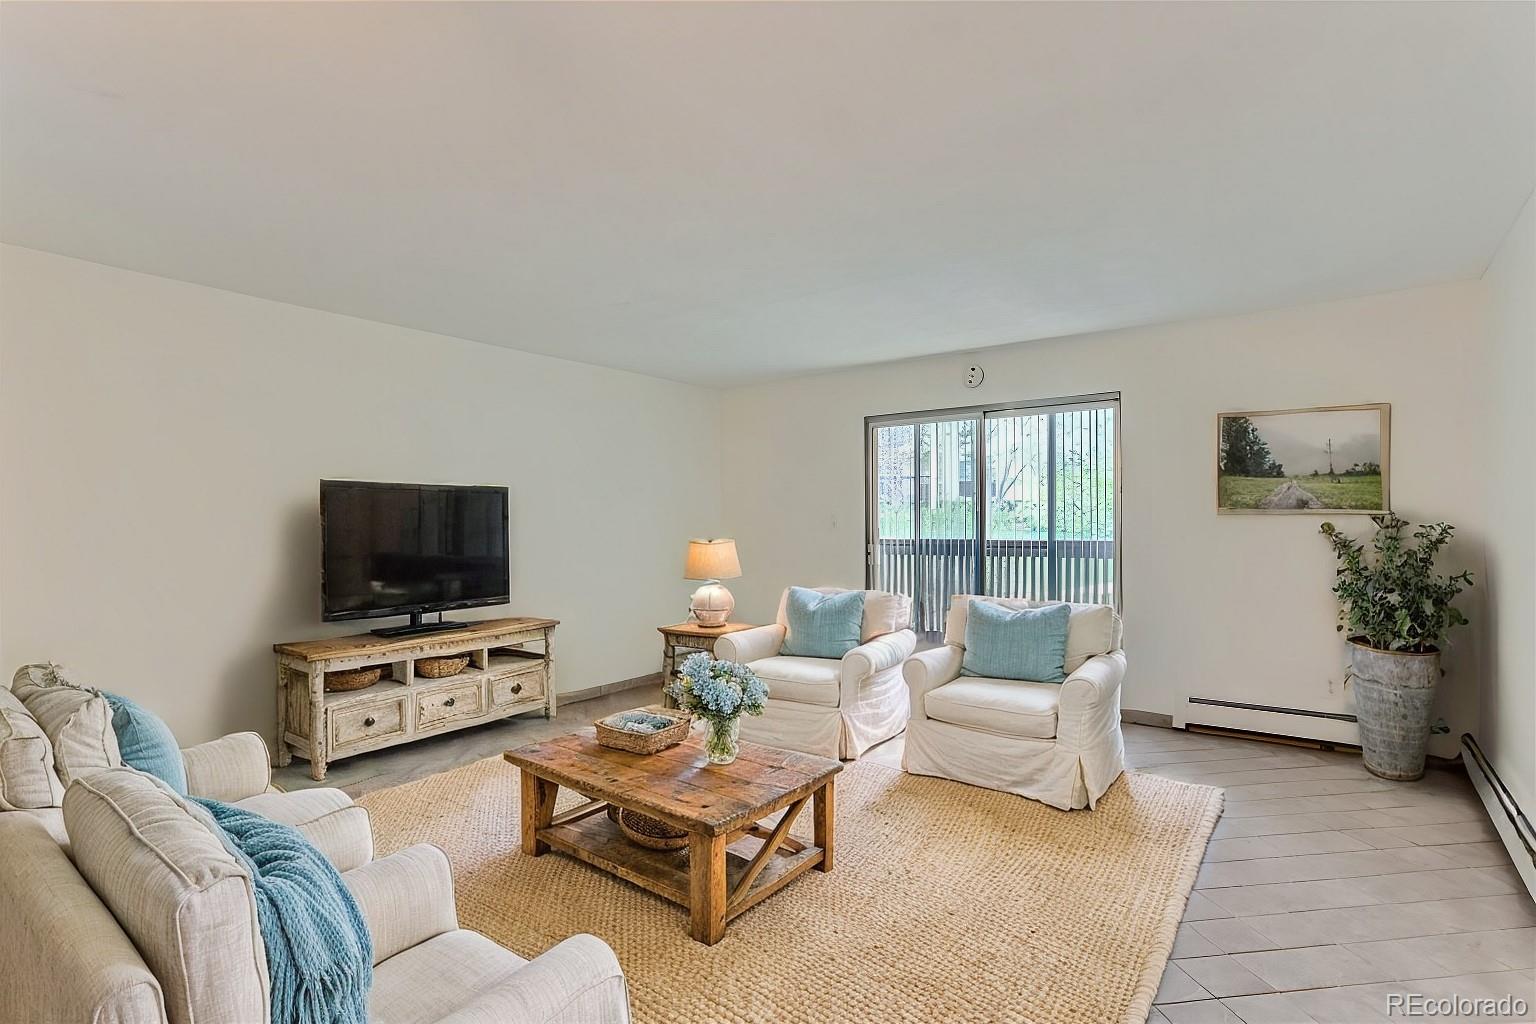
(393, 549)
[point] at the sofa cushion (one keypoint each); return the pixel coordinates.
(326, 817)
(185, 901)
(433, 979)
(1016, 643)
(1007, 707)
(77, 720)
(801, 680)
(822, 625)
(145, 742)
(884, 612)
(27, 776)
(1092, 629)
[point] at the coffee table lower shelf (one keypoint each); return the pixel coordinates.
(738, 871)
(598, 841)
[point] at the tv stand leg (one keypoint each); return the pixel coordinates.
(281, 755)
(317, 724)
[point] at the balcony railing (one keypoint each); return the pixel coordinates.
(931, 570)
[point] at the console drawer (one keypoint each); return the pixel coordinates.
(365, 724)
(444, 705)
(519, 688)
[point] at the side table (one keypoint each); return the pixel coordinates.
(689, 637)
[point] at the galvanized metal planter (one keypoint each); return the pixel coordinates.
(1394, 702)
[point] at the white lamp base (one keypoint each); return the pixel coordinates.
(712, 605)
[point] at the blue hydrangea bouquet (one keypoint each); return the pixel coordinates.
(719, 692)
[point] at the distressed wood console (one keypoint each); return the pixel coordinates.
(504, 678)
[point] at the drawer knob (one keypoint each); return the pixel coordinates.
(517, 687)
(448, 703)
(369, 722)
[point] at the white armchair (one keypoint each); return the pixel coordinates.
(1059, 743)
(830, 706)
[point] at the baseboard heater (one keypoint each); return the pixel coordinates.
(1508, 818)
(1271, 719)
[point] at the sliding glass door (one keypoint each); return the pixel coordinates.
(923, 516)
(1014, 501)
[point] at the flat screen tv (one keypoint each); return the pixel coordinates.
(407, 549)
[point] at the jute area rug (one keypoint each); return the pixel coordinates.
(947, 903)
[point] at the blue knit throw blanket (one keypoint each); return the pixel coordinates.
(319, 954)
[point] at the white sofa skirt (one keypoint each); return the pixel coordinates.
(1042, 770)
(880, 713)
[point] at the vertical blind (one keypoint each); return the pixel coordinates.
(1010, 501)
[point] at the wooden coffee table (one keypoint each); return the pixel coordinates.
(734, 860)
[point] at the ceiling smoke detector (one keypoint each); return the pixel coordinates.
(974, 375)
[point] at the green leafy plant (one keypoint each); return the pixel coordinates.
(1391, 597)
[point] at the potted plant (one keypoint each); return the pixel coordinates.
(1397, 611)
(719, 692)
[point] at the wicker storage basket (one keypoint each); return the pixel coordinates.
(645, 830)
(644, 742)
(439, 668)
(352, 679)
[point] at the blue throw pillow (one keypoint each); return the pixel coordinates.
(146, 743)
(822, 625)
(1029, 644)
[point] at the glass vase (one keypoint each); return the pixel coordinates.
(722, 742)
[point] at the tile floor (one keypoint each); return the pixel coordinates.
(1325, 891)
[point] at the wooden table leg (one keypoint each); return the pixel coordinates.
(668, 665)
(706, 897)
(822, 813)
(538, 810)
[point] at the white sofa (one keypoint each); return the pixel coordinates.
(835, 707)
(122, 908)
(1059, 743)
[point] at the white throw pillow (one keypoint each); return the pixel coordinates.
(185, 901)
(27, 776)
(77, 721)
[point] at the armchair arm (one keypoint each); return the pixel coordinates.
(578, 981)
(749, 645)
(1090, 701)
(64, 957)
(884, 652)
(929, 670)
(229, 768)
(406, 898)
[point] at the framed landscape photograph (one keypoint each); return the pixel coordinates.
(1327, 460)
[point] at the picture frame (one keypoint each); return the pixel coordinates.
(1323, 460)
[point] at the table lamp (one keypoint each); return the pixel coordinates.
(712, 561)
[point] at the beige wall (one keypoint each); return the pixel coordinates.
(1233, 607)
(1509, 681)
(161, 445)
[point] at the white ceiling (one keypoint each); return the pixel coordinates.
(718, 193)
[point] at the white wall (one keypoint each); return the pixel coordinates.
(1509, 679)
(161, 445)
(1234, 607)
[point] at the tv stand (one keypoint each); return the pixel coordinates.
(416, 626)
(510, 672)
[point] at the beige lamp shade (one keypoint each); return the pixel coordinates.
(712, 560)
